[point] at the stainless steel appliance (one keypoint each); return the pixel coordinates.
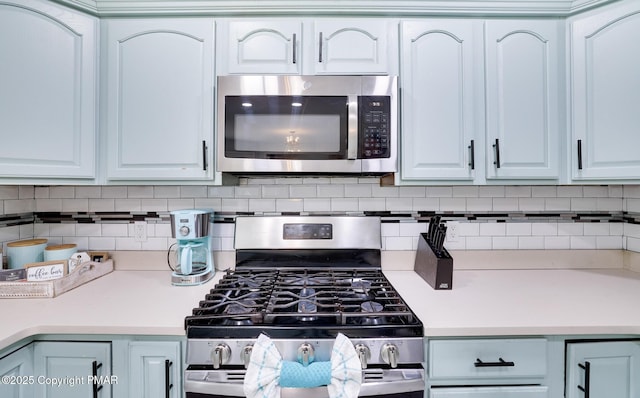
(307, 124)
(192, 261)
(302, 280)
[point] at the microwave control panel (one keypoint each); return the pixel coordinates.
(374, 128)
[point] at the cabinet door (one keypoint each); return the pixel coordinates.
(440, 71)
(159, 99)
(354, 46)
(264, 47)
(522, 83)
(74, 365)
(48, 88)
(155, 369)
(605, 94)
(604, 369)
(15, 365)
(490, 392)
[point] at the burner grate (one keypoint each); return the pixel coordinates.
(302, 297)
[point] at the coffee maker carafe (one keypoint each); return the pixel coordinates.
(193, 258)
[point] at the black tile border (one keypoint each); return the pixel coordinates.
(385, 216)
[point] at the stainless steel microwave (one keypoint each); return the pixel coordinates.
(307, 124)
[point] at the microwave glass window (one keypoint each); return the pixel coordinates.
(286, 127)
(279, 133)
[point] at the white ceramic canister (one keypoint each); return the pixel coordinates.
(59, 252)
(23, 252)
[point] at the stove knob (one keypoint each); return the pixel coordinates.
(306, 354)
(363, 353)
(246, 355)
(389, 354)
(220, 355)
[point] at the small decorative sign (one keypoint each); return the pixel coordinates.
(46, 271)
(99, 257)
(12, 275)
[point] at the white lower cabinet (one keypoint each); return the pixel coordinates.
(155, 369)
(127, 367)
(606, 369)
(18, 367)
(80, 369)
(488, 368)
(490, 392)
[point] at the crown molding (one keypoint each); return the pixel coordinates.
(549, 8)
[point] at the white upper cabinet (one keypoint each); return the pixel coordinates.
(358, 46)
(440, 78)
(311, 47)
(262, 47)
(159, 99)
(605, 94)
(523, 64)
(48, 87)
(476, 109)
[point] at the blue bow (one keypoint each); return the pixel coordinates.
(267, 372)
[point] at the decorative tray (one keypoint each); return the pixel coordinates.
(82, 274)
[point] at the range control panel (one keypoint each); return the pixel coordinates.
(374, 129)
(307, 231)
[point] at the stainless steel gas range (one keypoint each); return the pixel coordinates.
(301, 281)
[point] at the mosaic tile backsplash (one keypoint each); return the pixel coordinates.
(489, 217)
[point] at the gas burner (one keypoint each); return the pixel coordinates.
(305, 279)
(240, 307)
(371, 306)
(237, 321)
(360, 285)
(307, 303)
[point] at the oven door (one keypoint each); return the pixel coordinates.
(377, 383)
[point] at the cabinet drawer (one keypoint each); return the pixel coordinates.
(490, 392)
(491, 358)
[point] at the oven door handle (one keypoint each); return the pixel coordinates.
(352, 132)
(367, 389)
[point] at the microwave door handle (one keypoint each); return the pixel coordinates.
(352, 134)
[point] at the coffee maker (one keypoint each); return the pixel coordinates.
(193, 259)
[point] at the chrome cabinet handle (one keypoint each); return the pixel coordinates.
(587, 378)
(94, 372)
(497, 147)
(472, 156)
(167, 378)
(320, 50)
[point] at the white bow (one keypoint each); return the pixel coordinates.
(267, 372)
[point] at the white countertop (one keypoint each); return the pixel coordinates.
(482, 302)
(121, 302)
(526, 302)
